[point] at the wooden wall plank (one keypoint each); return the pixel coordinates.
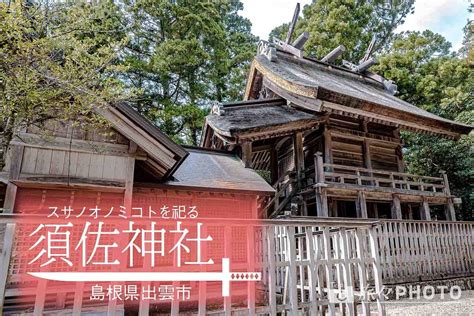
(120, 168)
(96, 166)
(43, 161)
(83, 164)
(29, 160)
(58, 159)
(108, 171)
(71, 165)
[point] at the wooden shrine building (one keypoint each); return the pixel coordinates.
(310, 139)
(134, 165)
(301, 114)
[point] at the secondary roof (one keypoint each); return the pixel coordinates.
(248, 119)
(163, 155)
(217, 170)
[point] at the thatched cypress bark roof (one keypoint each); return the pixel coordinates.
(321, 87)
(245, 117)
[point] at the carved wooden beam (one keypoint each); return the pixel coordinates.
(389, 85)
(267, 49)
(218, 109)
(362, 67)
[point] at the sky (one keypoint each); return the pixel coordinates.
(447, 17)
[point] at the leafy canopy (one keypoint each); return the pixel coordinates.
(53, 64)
(182, 56)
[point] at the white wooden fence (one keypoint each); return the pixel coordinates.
(307, 264)
(319, 266)
(304, 266)
(413, 251)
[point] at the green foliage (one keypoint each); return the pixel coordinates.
(182, 56)
(53, 64)
(431, 77)
(348, 22)
(427, 155)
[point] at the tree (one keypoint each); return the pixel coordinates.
(351, 23)
(182, 55)
(232, 57)
(431, 77)
(53, 64)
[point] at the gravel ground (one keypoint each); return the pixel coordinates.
(436, 306)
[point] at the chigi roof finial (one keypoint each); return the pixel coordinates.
(295, 48)
(366, 62)
(334, 54)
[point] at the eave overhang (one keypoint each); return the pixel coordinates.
(348, 93)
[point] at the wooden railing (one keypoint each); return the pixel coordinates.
(284, 188)
(349, 176)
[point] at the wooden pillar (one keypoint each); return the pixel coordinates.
(366, 145)
(425, 213)
(327, 146)
(367, 159)
(298, 155)
(333, 208)
(16, 159)
(127, 203)
(396, 208)
(450, 211)
(247, 154)
(361, 205)
(320, 190)
(449, 207)
(376, 210)
(274, 164)
(400, 164)
(319, 168)
(410, 212)
(321, 202)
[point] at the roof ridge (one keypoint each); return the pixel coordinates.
(192, 148)
(252, 102)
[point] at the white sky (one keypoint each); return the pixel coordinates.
(447, 17)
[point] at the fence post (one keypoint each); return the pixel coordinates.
(272, 273)
(312, 271)
(450, 212)
(291, 255)
(377, 270)
(327, 252)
